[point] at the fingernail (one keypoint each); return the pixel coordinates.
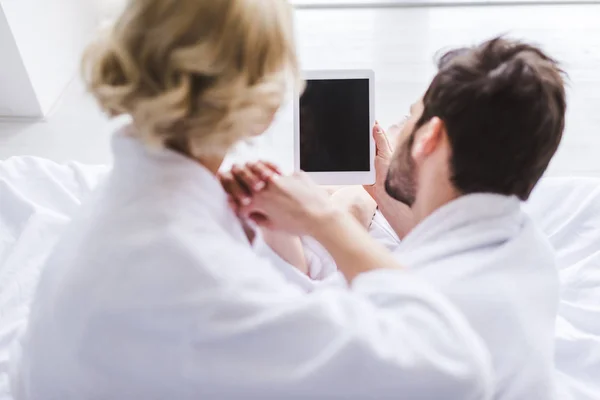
(245, 201)
(259, 186)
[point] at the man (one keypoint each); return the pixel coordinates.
(472, 148)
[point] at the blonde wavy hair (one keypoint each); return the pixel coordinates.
(195, 75)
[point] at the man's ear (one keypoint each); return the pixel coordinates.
(428, 138)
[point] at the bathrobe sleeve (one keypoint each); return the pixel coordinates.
(387, 336)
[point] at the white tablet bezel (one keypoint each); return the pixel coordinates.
(337, 177)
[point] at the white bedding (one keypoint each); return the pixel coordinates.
(568, 211)
(38, 198)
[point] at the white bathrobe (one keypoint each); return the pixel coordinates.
(485, 254)
(154, 292)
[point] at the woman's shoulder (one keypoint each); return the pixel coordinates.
(151, 241)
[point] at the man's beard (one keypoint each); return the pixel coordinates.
(400, 182)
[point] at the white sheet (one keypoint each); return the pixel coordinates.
(38, 197)
(568, 211)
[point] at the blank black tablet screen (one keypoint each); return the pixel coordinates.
(335, 125)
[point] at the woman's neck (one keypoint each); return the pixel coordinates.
(181, 145)
(211, 163)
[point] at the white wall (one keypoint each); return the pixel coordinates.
(16, 95)
(108, 9)
(399, 45)
(76, 130)
(50, 36)
(416, 3)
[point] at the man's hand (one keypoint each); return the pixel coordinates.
(398, 215)
(383, 157)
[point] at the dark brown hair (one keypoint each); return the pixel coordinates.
(503, 105)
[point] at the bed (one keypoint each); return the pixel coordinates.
(38, 198)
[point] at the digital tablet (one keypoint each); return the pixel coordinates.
(333, 121)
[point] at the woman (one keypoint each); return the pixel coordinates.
(155, 291)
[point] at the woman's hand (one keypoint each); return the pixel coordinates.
(294, 204)
(241, 183)
(257, 191)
